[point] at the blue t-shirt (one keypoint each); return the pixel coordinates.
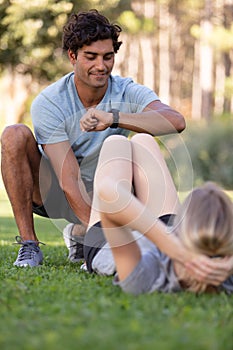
(57, 110)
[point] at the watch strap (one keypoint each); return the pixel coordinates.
(115, 123)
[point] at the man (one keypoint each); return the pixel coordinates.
(56, 178)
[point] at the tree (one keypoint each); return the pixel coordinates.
(30, 37)
(29, 50)
(206, 62)
(30, 46)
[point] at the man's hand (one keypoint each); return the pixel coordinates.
(95, 120)
(213, 271)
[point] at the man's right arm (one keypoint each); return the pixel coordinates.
(68, 173)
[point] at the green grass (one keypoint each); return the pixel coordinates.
(57, 307)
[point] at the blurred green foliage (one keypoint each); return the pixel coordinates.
(31, 32)
(210, 149)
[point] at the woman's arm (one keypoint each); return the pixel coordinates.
(212, 271)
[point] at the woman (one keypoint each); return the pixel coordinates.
(201, 227)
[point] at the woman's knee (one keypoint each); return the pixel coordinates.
(142, 138)
(115, 138)
(146, 141)
(115, 144)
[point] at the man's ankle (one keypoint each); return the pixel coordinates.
(78, 230)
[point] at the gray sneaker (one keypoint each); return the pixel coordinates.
(74, 244)
(29, 253)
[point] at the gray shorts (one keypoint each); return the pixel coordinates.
(55, 205)
(143, 277)
(155, 272)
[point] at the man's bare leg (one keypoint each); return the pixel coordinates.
(20, 165)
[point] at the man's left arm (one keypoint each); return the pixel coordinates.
(156, 119)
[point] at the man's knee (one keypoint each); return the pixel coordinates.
(15, 135)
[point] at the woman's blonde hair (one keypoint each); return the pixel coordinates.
(205, 223)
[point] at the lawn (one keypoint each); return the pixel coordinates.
(57, 306)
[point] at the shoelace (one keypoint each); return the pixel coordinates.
(75, 242)
(28, 249)
(19, 240)
(79, 251)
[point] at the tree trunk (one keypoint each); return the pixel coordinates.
(206, 63)
(147, 62)
(227, 21)
(15, 92)
(196, 89)
(164, 59)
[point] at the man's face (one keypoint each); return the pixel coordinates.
(93, 64)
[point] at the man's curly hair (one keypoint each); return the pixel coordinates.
(84, 28)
